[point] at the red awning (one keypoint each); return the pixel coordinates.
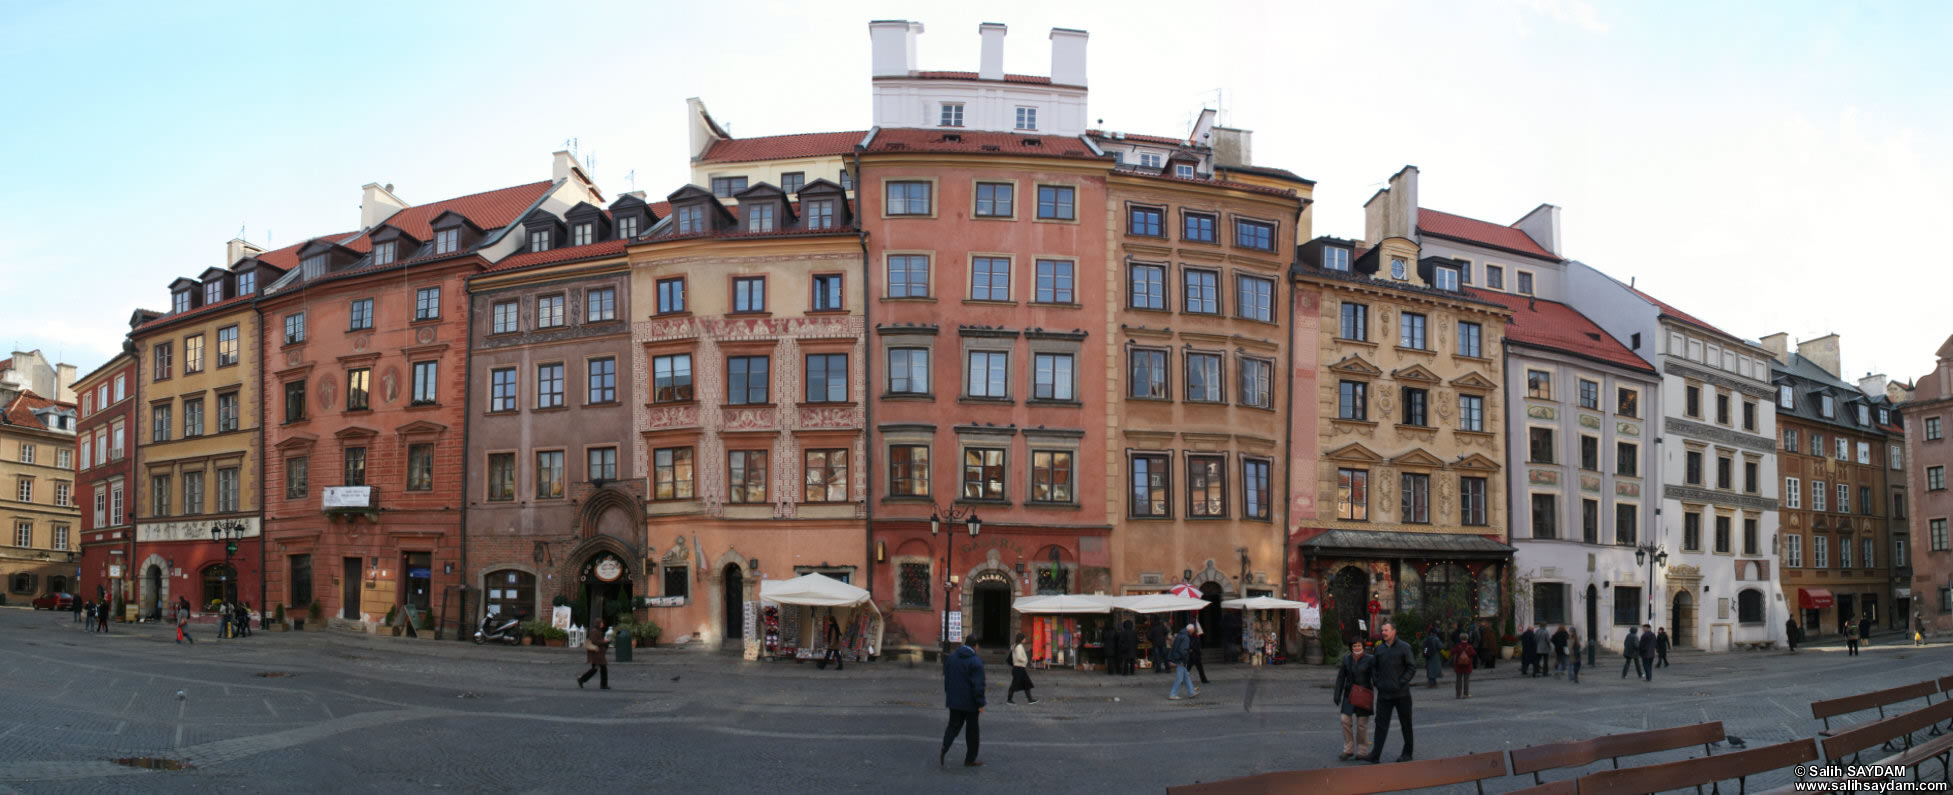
(1813, 598)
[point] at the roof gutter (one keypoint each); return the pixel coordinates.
(867, 373)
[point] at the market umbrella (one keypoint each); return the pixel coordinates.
(1264, 603)
(1186, 590)
(1159, 603)
(1061, 604)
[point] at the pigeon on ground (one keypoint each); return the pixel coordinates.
(674, 679)
(180, 696)
(1737, 742)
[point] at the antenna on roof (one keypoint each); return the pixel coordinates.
(1630, 281)
(590, 162)
(631, 179)
(240, 231)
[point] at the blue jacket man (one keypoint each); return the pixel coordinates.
(963, 695)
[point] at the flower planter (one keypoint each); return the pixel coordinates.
(1506, 652)
(556, 643)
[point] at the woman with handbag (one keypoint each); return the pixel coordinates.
(594, 645)
(1020, 671)
(1354, 696)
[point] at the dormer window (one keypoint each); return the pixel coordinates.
(383, 253)
(818, 214)
(1027, 118)
(1884, 417)
(1864, 415)
(181, 301)
(213, 292)
(247, 282)
(691, 219)
(1397, 267)
(446, 241)
(1150, 160)
(1827, 407)
(1183, 171)
(847, 180)
(1785, 398)
(539, 240)
(759, 218)
(1335, 258)
(627, 227)
(583, 234)
(316, 263)
(1445, 278)
(952, 114)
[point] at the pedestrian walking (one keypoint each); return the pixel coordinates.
(1647, 653)
(1195, 639)
(1462, 659)
(832, 633)
(594, 646)
(101, 616)
(1865, 629)
(183, 623)
(1661, 648)
(1573, 670)
(1177, 658)
(1020, 672)
(1156, 638)
(1631, 649)
(249, 616)
(1109, 646)
(89, 608)
(1128, 647)
(226, 628)
(1433, 657)
(75, 607)
(1918, 630)
(1392, 676)
(1526, 654)
(1352, 673)
(963, 695)
(1851, 638)
(1545, 651)
(1791, 633)
(1484, 640)
(1559, 651)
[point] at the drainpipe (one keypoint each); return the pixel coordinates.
(1288, 439)
(264, 555)
(463, 617)
(1505, 369)
(868, 390)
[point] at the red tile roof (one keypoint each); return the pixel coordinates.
(1553, 325)
(979, 142)
(1484, 233)
(1223, 183)
(490, 210)
(21, 410)
(780, 147)
(529, 259)
(941, 75)
(287, 258)
(206, 309)
(1678, 314)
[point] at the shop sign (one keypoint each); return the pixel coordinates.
(193, 530)
(609, 569)
(665, 601)
(347, 497)
(956, 624)
(115, 571)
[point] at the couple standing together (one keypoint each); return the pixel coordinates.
(1382, 678)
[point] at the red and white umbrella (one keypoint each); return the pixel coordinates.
(1186, 590)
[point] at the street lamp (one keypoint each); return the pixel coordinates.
(937, 518)
(1651, 555)
(227, 534)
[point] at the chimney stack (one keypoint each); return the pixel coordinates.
(64, 383)
(1823, 352)
(892, 44)
(376, 204)
(1068, 56)
(1233, 146)
(238, 249)
(1874, 384)
(992, 65)
(1778, 345)
(561, 164)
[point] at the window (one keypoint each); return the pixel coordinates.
(1749, 606)
(1898, 505)
(1052, 376)
(164, 355)
(952, 115)
(759, 217)
(549, 311)
(1722, 409)
(1054, 282)
(1197, 228)
(1257, 383)
(1844, 498)
(180, 301)
(1471, 501)
(427, 303)
(908, 198)
(1545, 516)
(1470, 336)
(362, 315)
(247, 282)
(1147, 287)
(227, 346)
(671, 378)
(1183, 171)
(549, 386)
(193, 354)
(1750, 536)
(827, 475)
(1201, 295)
(1794, 551)
(583, 234)
(1932, 423)
(1149, 159)
(60, 542)
(1335, 258)
(1445, 278)
(1353, 400)
(990, 279)
(120, 392)
(1692, 400)
(908, 371)
(691, 219)
(1790, 439)
(1206, 487)
(1844, 552)
(1864, 453)
(1935, 478)
(1627, 459)
(1827, 407)
(1471, 413)
(1257, 235)
(1416, 409)
(817, 214)
(159, 495)
(501, 476)
(988, 375)
(1027, 118)
(1724, 473)
(501, 389)
(1525, 283)
(1749, 415)
(1539, 444)
(1589, 395)
(1894, 457)
(549, 474)
(504, 316)
(1254, 298)
(671, 299)
(1410, 331)
(1819, 494)
(25, 491)
(425, 386)
(601, 304)
(1254, 489)
(1146, 373)
(749, 294)
(1150, 487)
(1051, 476)
(671, 473)
(446, 241)
(420, 467)
(23, 537)
(983, 473)
(1785, 397)
(1791, 493)
(1356, 321)
(1204, 378)
(994, 199)
(1936, 534)
(915, 584)
(1750, 476)
(603, 380)
(827, 292)
(1899, 550)
(1416, 488)
(746, 380)
(159, 423)
(908, 470)
(1590, 521)
(355, 466)
(1627, 527)
(1055, 202)
(1692, 468)
(1353, 494)
(1627, 402)
(908, 276)
(1146, 221)
(358, 389)
(725, 187)
(1590, 453)
(1627, 605)
(1539, 384)
(192, 418)
(827, 378)
(296, 470)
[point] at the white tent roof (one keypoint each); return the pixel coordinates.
(1158, 603)
(816, 589)
(1066, 603)
(1264, 603)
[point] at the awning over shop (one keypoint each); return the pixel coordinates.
(1264, 603)
(1158, 603)
(1813, 598)
(1385, 544)
(816, 590)
(1062, 604)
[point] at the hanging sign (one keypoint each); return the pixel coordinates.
(956, 624)
(609, 569)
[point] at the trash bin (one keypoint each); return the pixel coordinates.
(623, 646)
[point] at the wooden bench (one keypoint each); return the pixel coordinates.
(1877, 699)
(1360, 779)
(1853, 741)
(1738, 765)
(1565, 787)
(1576, 753)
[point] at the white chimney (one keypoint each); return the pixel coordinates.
(561, 164)
(1068, 56)
(238, 248)
(377, 204)
(1543, 226)
(992, 65)
(892, 43)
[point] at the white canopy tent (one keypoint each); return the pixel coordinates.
(819, 590)
(1158, 603)
(1264, 603)
(1063, 604)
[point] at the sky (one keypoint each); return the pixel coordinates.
(1751, 163)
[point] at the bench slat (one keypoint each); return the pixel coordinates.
(1695, 772)
(1581, 752)
(1861, 737)
(1567, 787)
(1833, 707)
(1358, 779)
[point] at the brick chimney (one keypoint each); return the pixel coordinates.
(237, 249)
(1823, 352)
(1778, 345)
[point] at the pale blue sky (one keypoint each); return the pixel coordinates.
(1763, 165)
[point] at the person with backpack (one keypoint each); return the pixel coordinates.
(1177, 658)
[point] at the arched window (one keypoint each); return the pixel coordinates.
(219, 585)
(509, 592)
(1749, 606)
(57, 584)
(21, 583)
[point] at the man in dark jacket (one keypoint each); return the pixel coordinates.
(1790, 633)
(1128, 648)
(1109, 645)
(1559, 651)
(1661, 648)
(1865, 629)
(1527, 654)
(1631, 649)
(963, 694)
(1156, 635)
(1391, 676)
(1647, 653)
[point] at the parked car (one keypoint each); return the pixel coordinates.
(55, 601)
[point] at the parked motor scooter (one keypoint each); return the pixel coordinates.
(500, 628)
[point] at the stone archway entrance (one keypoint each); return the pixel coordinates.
(153, 586)
(990, 618)
(1681, 617)
(606, 585)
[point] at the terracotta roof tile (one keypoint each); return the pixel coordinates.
(1678, 314)
(489, 210)
(779, 147)
(979, 142)
(287, 258)
(206, 309)
(942, 75)
(21, 410)
(530, 259)
(1553, 325)
(1485, 233)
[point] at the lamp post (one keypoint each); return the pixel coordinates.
(938, 518)
(1652, 556)
(227, 534)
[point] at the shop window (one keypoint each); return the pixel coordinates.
(21, 583)
(219, 584)
(509, 592)
(677, 582)
(1749, 606)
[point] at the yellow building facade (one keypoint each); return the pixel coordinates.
(37, 498)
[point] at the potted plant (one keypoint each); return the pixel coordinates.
(391, 612)
(277, 618)
(645, 633)
(530, 632)
(1508, 644)
(316, 616)
(555, 638)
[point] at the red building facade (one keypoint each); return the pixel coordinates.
(103, 461)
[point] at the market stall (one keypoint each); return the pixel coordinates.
(793, 612)
(1064, 629)
(1157, 607)
(1261, 627)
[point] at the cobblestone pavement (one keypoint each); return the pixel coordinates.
(331, 711)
